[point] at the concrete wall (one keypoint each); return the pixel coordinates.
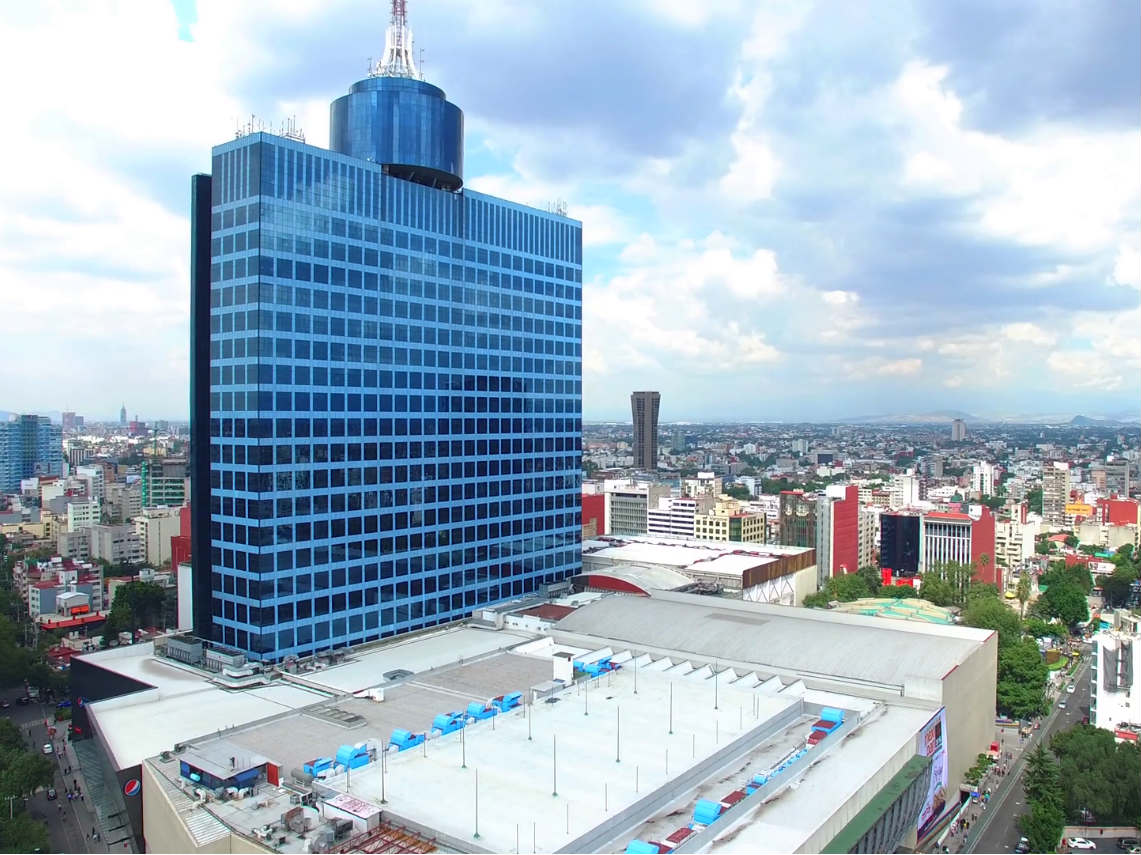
(969, 696)
(166, 831)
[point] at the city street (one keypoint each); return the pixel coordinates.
(998, 829)
(70, 823)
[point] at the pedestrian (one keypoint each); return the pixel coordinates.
(75, 783)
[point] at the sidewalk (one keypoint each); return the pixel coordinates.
(971, 822)
(83, 809)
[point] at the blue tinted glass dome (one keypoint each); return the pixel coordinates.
(405, 124)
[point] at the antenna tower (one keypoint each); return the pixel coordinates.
(399, 59)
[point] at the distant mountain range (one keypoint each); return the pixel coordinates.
(1120, 419)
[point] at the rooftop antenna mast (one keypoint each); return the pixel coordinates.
(399, 58)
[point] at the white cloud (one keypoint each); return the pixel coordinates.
(1127, 266)
(1055, 186)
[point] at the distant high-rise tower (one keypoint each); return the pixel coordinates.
(29, 446)
(1055, 493)
(958, 430)
(644, 407)
(123, 416)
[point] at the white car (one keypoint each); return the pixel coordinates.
(1062, 704)
(1080, 843)
(48, 748)
(1070, 689)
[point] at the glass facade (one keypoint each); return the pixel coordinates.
(395, 399)
(29, 445)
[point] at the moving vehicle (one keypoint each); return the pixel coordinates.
(5, 704)
(23, 701)
(1070, 689)
(1022, 846)
(48, 748)
(52, 794)
(1127, 844)
(1079, 843)
(1062, 704)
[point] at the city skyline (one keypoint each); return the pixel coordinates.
(944, 221)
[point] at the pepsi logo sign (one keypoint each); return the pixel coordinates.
(133, 787)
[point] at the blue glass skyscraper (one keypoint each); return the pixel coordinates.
(29, 445)
(386, 396)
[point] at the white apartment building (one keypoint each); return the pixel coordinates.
(869, 543)
(904, 491)
(1055, 493)
(83, 514)
(116, 543)
(628, 503)
(946, 537)
(673, 516)
(982, 478)
(155, 527)
(1014, 542)
(1115, 677)
(93, 476)
(705, 484)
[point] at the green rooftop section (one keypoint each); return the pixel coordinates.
(899, 609)
(863, 822)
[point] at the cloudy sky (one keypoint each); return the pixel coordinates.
(791, 210)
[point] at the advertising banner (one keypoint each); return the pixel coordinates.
(932, 742)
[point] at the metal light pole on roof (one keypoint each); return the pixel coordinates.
(618, 735)
(476, 836)
(715, 684)
(554, 765)
(671, 707)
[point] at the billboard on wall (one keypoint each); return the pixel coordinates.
(932, 742)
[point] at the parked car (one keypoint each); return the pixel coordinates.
(48, 748)
(23, 701)
(62, 705)
(1079, 843)
(1023, 845)
(5, 704)
(1127, 843)
(1070, 689)
(1062, 704)
(52, 794)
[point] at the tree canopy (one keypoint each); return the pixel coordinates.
(992, 613)
(1020, 692)
(1099, 775)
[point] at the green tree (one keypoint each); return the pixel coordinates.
(1034, 500)
(1115, 586)
(1043, 779)
(937, 590)
(1023, 592)
(958, 577)
(1099, 775)
(1038, 628)
(22, 772)
(897, 592)
(1020, 692)
(1066, 602)
(847, 587)
(22, 833)
(1071, 541)
(819, 600)
(1043, 826)
(738, 491)
(871, 575)
(992, 613)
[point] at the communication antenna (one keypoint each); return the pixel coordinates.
(398, 59)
